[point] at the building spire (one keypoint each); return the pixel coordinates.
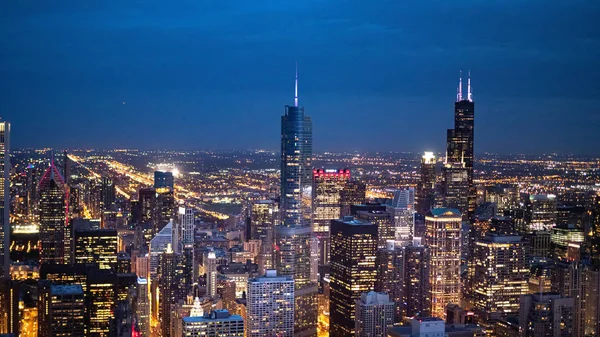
(296, 87)
(469, 94)
(459, 90)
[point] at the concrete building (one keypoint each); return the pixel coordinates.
(270, 306)
(374, 315)
(218, 323)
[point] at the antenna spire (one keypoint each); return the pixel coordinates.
(459, 90)
(296, 87)
(469, 94)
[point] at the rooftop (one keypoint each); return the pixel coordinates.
(445, 212)
(70, 289)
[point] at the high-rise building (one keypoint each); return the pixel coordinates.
(353, 270)
(101, 295)
(168, 283)
(142, 307)
(164, 209)
(210, 268)
(270, 306)
(501, 274)
(591, 299)
(425, 194)
(218, 323)
(443, 236)
(354, 193)
(460, 144)
(294, 235)
(146, 204)
(263, 218)
(55, 235)
(542, 212)
(384, 221)
(326, 205)
(390, 276)
(374, 315)
(9, 306)
(4, 198)
(186, 221)
(455, 186)
(108, 194)
(61, 311)
(546, 314)
(164, 179)
(97, 246)
(567, 241)
(417, 286)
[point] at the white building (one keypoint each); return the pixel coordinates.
(374, 314)
(218, 323)
(210, 268)
(186, 219)
(270, 306)
(143, 307)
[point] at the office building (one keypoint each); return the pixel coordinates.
(270, 306)
(326, 205)
(142, 307)
(443, 236)
(4, 198)
(158, 245)
(146, 204)
(417, 285)
(61, 311)
(374, 315)
(542, 212)
(168, 284)
(566, 240)
(501, 272)
(108, 194)
(546, 314)
(384, 221)
(210, 268)
(294, 235)
(263, 218)
(55, 235)
(101, 296)
(403, 220)
(97, 246)
(353, 270)
(9, 306)
(455, 187)
(591, 299)
(164, 179)
(390, 276)
(186, 221)
(460, 152)
(354, 193)
(218, 323)
(425, 193)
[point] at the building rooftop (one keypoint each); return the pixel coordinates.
(216, 315)
(66, 289)
(445, 212)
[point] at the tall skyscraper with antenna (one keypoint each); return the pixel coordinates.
(294, 234)
(460, 141)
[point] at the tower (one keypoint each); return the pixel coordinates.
(270, 299)
(426, 188)
(443, 236)
(374, 314)
(294, 234)
(4, 198)
(460, 141)
(353, 270)
(54, 235)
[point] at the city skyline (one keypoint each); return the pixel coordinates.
(144, 65)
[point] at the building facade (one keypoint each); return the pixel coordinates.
(270, 306)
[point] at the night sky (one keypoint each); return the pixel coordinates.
(374, 75)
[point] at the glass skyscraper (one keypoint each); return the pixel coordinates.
(294, 234)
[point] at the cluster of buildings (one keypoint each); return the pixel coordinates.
(446, 257)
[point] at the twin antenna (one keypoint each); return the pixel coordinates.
(459, 96)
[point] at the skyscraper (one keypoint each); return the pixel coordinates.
(443, 236)
(353, 270)
(270, 306)
(390, 276)
(354, 193)
(186, 221)
(99, 246)
(168, 284)
(374, 315)
(142, 308)
(263, 218)
(417, 285)
(385, 225)
(460, 141)
(326, 206)
(455, 187)
(61, 311)
(54, 235)
(425, 194)
(294, 235)
(501, 274)
(218, 323)
(210, 268)
(546, 314)
(165, 199)
(4, 198)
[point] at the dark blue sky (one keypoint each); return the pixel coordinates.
(374, 75)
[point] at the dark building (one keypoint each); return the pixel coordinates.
(460, 142)
(100, 301)
(455, 187)
(390, 276)
(4, 199)
(146, 204)
(354, 193)
(426, 188)
(108, 194)
(61, 310)
(9, 306)
(55, 236)
(168, 283)
(164, 179)
(417, 286)
(546, 314)
(385, 225)
(353, 270)
(123, 263)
